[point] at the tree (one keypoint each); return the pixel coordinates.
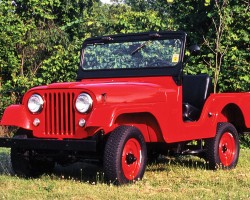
(218, 50)
(40, 40)
(228, 44)
(29, 38)
(111, 19)
(12, 29)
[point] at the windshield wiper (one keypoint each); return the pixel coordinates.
(140, 47)
(154, 35)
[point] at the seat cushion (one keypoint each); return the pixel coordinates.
(196, 89)
(190, 113)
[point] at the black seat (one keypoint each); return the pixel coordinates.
(196, 89)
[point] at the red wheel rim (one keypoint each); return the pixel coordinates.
(131, 159)
(227, 149)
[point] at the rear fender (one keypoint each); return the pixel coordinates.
(231, 107)
(234, 115)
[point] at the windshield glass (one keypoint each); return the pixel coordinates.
(136, 54)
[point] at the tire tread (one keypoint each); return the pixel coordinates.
(114, 147)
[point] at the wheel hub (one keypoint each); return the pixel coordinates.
(224, 148)
(130, 158)
(227, 149)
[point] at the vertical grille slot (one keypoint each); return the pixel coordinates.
(59, 114)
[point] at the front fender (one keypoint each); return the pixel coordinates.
(104, 117)
(16, 115)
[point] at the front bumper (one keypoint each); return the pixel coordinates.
(49, 144)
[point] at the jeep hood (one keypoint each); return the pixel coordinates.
(114, 91)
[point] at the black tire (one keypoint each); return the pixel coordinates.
(222, 151)
(125, 155)
(25, 165)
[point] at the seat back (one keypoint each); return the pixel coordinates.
(196, 89)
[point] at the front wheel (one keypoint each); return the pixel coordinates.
(223, 149)
(125, 155)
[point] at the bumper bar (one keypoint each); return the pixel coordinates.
(48, 144)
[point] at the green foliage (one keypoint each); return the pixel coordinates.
(200, 19)
(12, 29)
(112, 19)
(60, 66)
(40, 40)
(235, 72)
(245, 140)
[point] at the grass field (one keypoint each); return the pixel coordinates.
(168, 178)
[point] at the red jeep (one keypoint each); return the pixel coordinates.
(130, 100)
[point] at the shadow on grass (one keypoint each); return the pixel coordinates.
(85, 172)
(162, 163)
(81, 171)
(93, 173)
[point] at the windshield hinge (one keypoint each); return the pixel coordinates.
(107, 38)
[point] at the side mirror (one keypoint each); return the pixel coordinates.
(195, 50)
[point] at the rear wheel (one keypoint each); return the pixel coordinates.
(125, 155)
(223, 149)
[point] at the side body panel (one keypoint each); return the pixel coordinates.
(167, 113)
(212, 113)
(153, 104)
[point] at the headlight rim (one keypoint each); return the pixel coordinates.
(41, 104)
(90, 104)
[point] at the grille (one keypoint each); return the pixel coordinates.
(59, 114)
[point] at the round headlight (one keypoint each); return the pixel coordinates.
(83, 103)
(35, 103)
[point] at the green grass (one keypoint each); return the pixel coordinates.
(168, 178)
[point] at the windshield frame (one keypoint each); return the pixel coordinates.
(133, 72)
